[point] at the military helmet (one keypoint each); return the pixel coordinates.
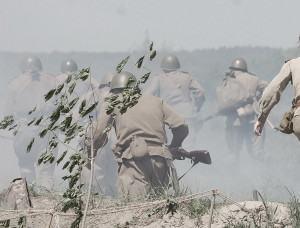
(170, 63)
(123, 80)
(68, 66)
(106, 80)
(239, 64)
(31, 64)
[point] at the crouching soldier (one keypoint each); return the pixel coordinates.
(144, 161)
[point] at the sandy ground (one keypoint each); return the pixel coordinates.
(247, 213)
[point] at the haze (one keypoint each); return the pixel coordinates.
(99, 25)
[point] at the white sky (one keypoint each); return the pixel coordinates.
(121, 25)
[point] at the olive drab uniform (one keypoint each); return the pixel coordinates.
(183, 93)
(289, 73)
(236, 98)
(24, 93)
(144, 162)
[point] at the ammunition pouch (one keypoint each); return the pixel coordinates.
(139, 148)
(286, 124)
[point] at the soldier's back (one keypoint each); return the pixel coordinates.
(248, 81)
(27, 92)
(174, 87)
(145, 119)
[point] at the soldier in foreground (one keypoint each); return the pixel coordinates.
(180, 90)
(144, 162)
(24, 93)
(237, 98)
(289, 73)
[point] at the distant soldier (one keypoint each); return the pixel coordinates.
(289, 73)
(144, 162)
(106, 167)
(26, 92)
(68, 67)
(237, 98)
(180, 90)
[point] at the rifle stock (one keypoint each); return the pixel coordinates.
(196, 156)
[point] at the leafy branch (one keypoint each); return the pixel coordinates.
(61, 127)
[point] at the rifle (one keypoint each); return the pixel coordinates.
(196, 156)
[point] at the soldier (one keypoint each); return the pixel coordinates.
(180, 90)
(144, 162)
(24, 93)
(289, 73)
(237, 101)
(106, 166)
(68, 67)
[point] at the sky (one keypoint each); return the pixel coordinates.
(123, 25)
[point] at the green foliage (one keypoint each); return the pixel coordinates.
(31, 122)
(7, 122)
(122, 64)
(59, 88)
(49, 95)
(89, 109)
(294, 209)
(59, 160)
(84, 74)
(152, 55)
(71, 88)
(198, 207)
(61, 124)
(140, 62)
(30, 145)
(37, 123)
(31, 111)
(151, 46)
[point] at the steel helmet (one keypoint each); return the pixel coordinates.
(170, 63)
(239, 64)
(31, 64)
(123, 80)
(68, 66)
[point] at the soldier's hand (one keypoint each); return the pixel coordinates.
(258, 127)
(177, 153)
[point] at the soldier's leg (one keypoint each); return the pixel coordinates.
(254, 144)
(25, 159)
(44, 172)
(160, 174)
(234, 139)
(132, 181)
(106, 171)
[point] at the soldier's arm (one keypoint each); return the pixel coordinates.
(272, 92)
(197, 93)
(99, 132)
(177, 125)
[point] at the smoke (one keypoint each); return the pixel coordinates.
(275, 171)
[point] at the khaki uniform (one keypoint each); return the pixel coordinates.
(105, 164)
(239, 108)
(289, 73)
(184, 94)
(24, 93)
(144, 161)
